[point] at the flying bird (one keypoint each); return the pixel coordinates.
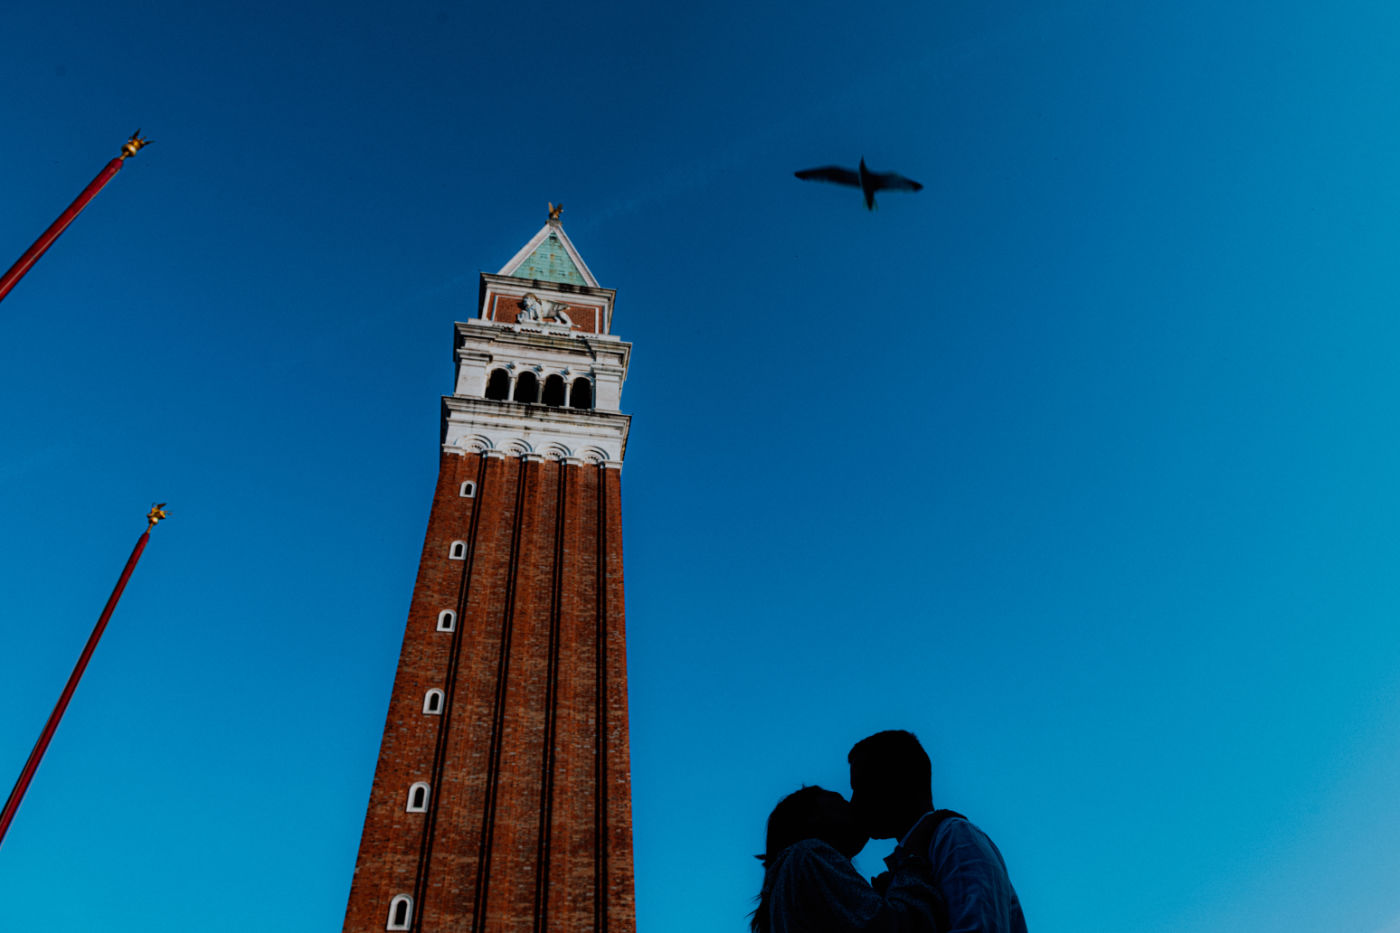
(867, 181)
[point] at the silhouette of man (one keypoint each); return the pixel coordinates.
(892, 793)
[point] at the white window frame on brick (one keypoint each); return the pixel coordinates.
(458, 551)
(428, 701)
(447, 621)
(413, 790)
(468, 490)
(400, 900)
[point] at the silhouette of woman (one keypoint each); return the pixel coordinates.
(810, 885)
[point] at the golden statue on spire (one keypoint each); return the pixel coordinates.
(156, 513)
(554, 212)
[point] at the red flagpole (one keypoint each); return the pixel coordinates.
(31, 255)
(27, 774)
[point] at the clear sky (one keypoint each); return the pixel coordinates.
(1081, 463)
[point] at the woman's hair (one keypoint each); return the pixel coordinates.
(800, 815)
(803, 814)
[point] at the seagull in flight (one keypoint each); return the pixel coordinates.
(867, 181)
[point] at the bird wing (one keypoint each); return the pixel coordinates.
(831, 173)
(889, 181)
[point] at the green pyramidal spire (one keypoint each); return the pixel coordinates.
(550, 256)
(550, 262)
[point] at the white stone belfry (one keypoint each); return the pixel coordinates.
(538, 372)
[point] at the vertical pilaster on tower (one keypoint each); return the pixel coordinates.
(502, 796)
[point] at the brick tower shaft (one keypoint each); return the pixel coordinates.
(502, 796)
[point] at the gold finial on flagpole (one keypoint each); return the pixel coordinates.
(156, 513)
(133, 144)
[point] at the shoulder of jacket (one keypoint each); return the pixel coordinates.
(949, 818)
(958, 826)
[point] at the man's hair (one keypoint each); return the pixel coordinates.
(897, 757)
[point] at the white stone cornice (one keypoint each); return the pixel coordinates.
(474, 425)
(521, 286)
(475, 337)
(538, 458)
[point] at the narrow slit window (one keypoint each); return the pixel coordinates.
(432, 702)
(459, 551)
(400, 912)
(447, 620)
(468, 490)
(417, 798)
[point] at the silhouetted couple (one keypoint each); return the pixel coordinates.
(945, 875)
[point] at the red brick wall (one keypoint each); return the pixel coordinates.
(529, 825)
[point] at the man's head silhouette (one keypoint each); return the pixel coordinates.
(891, 782)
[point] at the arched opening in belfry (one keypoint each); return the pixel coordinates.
(582, 394)
(554, 391)
(527, 388)
(498, 385)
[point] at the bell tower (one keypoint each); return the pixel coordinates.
(501, 802)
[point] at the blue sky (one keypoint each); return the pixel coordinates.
(1080, 463)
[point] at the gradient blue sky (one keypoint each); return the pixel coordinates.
(1081, 463)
